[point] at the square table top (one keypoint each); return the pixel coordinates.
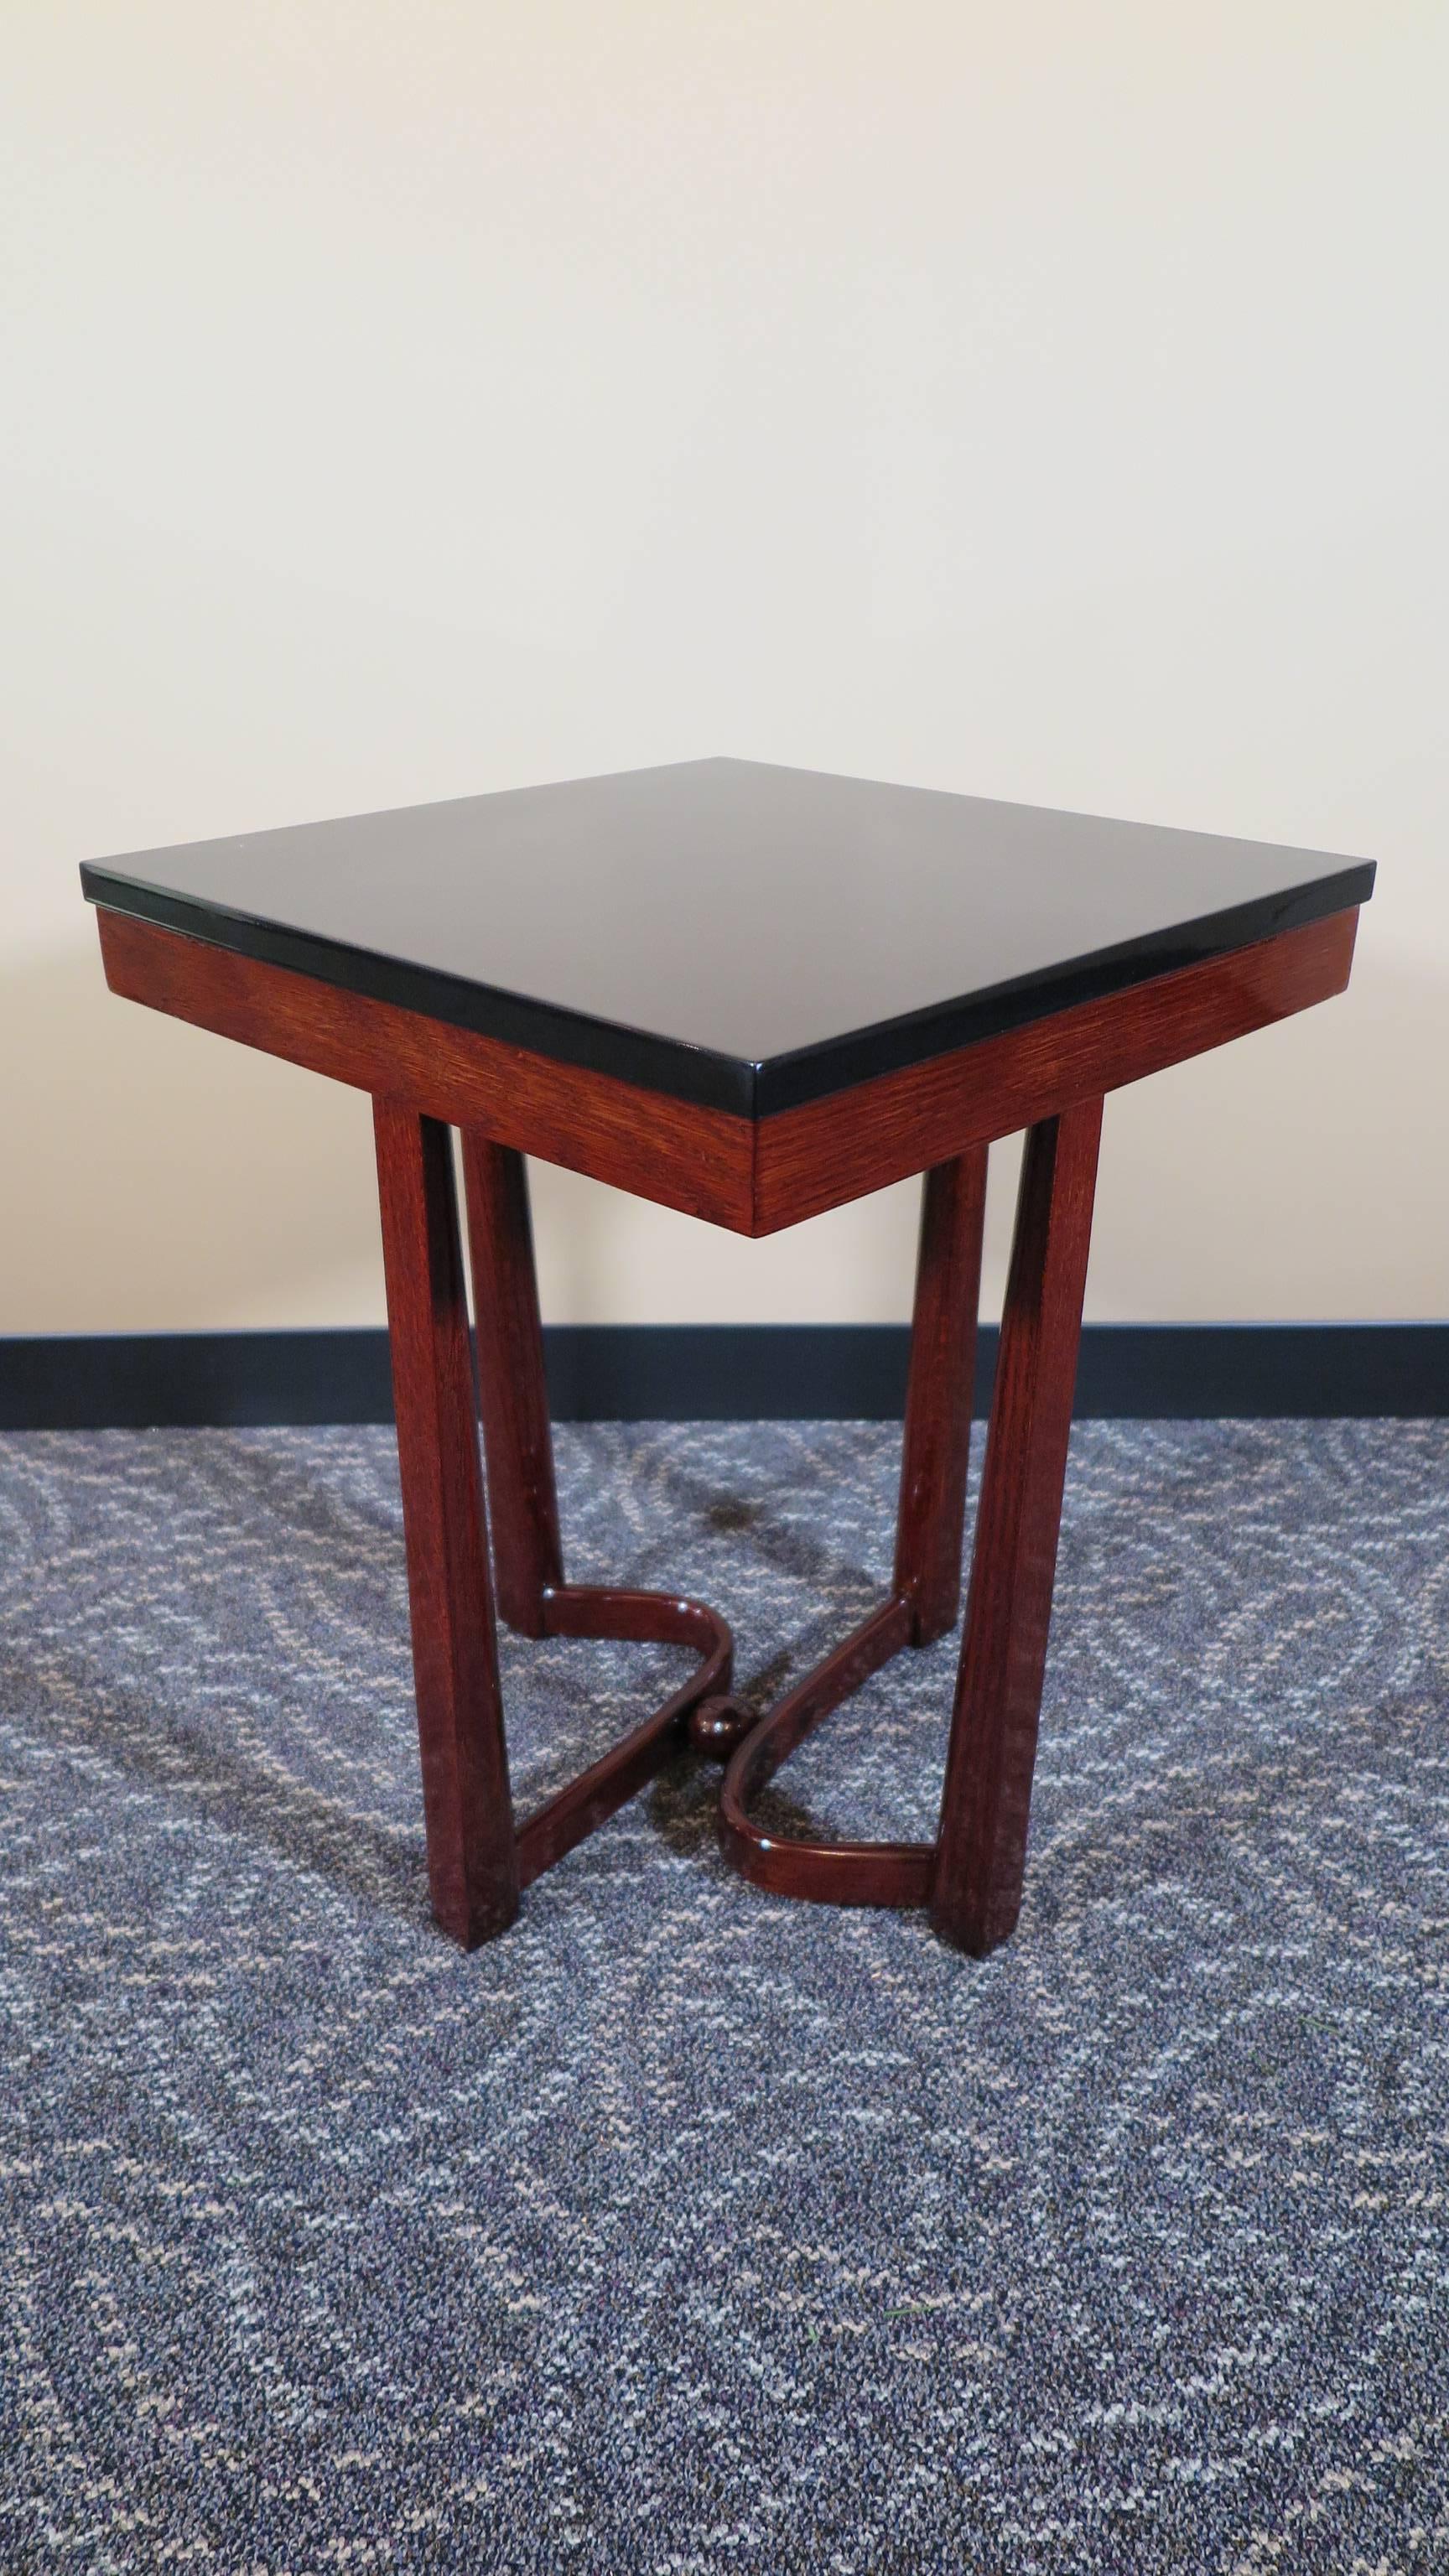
(725, 931)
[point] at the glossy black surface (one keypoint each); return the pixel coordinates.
(728, 932)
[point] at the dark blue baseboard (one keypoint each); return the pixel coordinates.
(718, 1372)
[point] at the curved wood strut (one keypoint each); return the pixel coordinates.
(527, 1550)
(477, 1863)
(926, 1592)
(971, 1875)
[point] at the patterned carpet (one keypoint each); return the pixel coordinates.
(686, 2229)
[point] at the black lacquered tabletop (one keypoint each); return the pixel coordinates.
(730, 932)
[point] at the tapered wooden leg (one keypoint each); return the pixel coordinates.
(937, 1446)
(472, 1860)
(981, 1847)
(512, 1395)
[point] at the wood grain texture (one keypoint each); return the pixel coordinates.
(981, 1844)
(472, 1865)
(751, 1176)
(837, 1149)
(936, 1448)
(512, 1393)
(727, 931)
(476, 1866)
(687, 1157)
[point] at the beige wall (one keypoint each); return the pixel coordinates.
(406, 399)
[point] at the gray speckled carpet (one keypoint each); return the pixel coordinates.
(685, 2229)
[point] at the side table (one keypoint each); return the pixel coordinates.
(751, 993)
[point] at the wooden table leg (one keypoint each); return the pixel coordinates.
(936, 1450)
(971, 1876)
(523, 1506)
(981, 1846)
(512, 1393)
(472, 1860)
(927, 1585)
